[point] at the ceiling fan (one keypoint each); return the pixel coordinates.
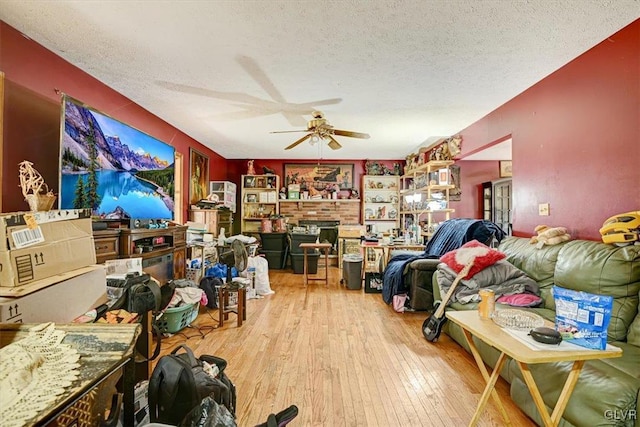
(319, 129)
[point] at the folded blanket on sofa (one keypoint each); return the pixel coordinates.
(502, 277)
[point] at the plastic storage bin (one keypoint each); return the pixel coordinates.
(275, 259)
(297, 238)
(273, 241)
(175, 319)
(297, 262)
(352, 271)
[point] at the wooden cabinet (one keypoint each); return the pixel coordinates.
(381, 202)
(214, 219)
(107, 244)
(259, 201)
(425, 198)
(180, 263)
(163, 250)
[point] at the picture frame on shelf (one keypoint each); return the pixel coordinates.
(249, 182)
(260, 182)
(198, 176)
(251, 198)
(506, 169)
(443, 176)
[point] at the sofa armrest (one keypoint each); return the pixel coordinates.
(419, 278)
(425, 265)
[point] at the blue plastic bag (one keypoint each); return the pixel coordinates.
(582, 318)
(220, 271)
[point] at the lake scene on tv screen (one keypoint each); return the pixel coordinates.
(114, 169)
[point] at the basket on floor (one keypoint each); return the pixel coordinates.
(193, 274)
(175, 319)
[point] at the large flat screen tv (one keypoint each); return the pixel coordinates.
(117, 171)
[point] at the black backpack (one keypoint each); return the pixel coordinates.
(179, 383)
(208, 285)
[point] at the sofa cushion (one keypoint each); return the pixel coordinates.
(629, 361)
(539, 264)
(634, 331)
(602, 269)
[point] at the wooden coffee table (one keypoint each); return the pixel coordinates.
(509, 346)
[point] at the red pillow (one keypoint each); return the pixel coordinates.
(482, 256)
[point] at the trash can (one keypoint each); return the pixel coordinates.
(352, 271)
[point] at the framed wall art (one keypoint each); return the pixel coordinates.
(319, 175)
(198, 176)
(505, 169)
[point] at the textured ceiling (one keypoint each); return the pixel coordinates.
(406, 72)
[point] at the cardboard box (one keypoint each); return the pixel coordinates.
(37, 245)
(74, 293)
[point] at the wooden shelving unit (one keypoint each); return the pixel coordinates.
(425, 197)
(381, 202)
(214, 219)
(259, 200)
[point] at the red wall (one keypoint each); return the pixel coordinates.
(36, 77)
(576, 140)
(472, 175)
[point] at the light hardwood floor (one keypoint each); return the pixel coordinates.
(344, 358)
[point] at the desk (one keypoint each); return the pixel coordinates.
(305, 247)
(496, 337)
(104, 349)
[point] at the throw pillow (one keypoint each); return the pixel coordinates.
(481, 255)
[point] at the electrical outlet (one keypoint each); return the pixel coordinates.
(543, 209)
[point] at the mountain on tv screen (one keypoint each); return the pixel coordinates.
(117, 171)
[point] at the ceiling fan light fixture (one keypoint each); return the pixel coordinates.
(314, 139)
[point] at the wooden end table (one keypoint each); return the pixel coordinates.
(509, 346)
(305, 247)
(223, 304)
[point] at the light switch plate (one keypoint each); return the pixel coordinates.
(543, 209)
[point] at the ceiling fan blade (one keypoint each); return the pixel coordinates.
(351, 134)
(300, 141)
(333, 144)
(289, 131)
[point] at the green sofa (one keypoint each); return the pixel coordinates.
(608, 390)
